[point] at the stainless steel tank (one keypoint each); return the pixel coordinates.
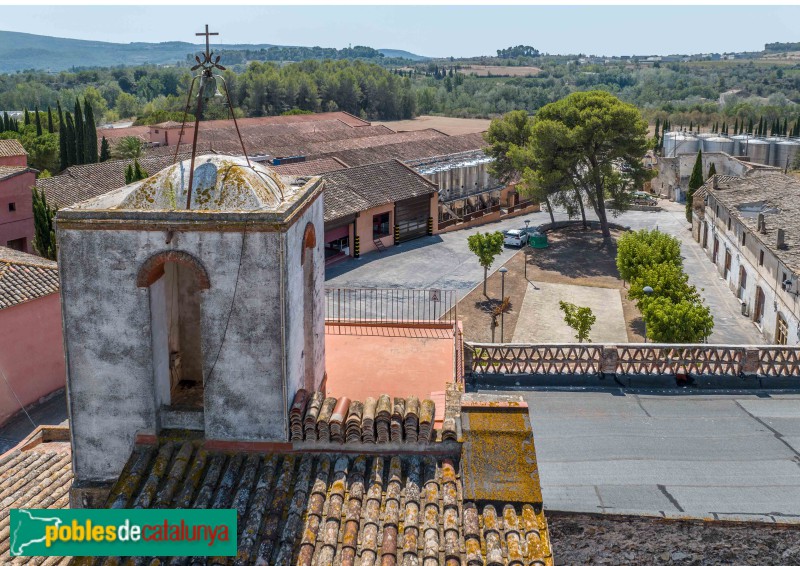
(758, 151)
(718, 144)
(740, 143)
(678, 143)
(773, 147)
(785, 153)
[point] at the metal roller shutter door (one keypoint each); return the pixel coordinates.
(411, 215)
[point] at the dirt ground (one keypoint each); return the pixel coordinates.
(499, 71)
(575, 256)
(579, 539)
(450, 126)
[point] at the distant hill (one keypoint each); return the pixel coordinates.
(402, 54)
(20, 51)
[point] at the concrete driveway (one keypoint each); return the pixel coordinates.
(721, 456)
(444, 261)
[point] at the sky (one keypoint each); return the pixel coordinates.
(440, 31)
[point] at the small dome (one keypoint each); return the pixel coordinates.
(219, 183)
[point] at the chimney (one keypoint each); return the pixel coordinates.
(762, 223)
(782, 239)
(714, 183)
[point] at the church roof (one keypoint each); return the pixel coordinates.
(220, 183)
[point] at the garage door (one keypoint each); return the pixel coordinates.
(411, 216)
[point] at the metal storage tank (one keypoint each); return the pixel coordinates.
(785, 153)
(740, 143)
(678, 143)
(758, 151)
(717, 144)
(773, 147)
(706, 135)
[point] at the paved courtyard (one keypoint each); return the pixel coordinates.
(541, 320)
(444, 261)
(722, 456)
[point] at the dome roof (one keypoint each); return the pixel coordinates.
(219, 183)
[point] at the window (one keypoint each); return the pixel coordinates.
(761, 257)
(380, 225)
(781, 331)
(729, 222)
(20, 244)
(744, 238)
(12, 206)
(717, 210)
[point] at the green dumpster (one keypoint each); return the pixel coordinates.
(537, 240)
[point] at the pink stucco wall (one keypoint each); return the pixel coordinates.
(31, 353)
(14, 160)
(18, 223)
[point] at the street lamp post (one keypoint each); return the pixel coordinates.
(648, 290)
(527, 245)
(503, 272)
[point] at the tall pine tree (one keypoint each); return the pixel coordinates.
(62, 138)
(80, 135)
(27, 118)
(38, 121)
(44, 238)
(695, 182)
(736, 127)
(90, 134)
(712, 171)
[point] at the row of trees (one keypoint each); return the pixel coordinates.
(587, 147)
(673, 312)
(77, 135)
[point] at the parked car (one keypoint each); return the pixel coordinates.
(640, 197)
(515, 238)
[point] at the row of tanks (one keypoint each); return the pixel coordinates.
(776, 151)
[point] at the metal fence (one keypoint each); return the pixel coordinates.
(390, 306)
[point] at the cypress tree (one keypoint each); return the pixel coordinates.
(138, 172)
(695, 182)
(2, 125)
(760, 123)
(44, 238)
(72, 155)
(655, 136)
(785, 128)
(736, 127)
(38, 122)
(105, 150)
(27, 118)
(750, 126)
(690, 126)
(129, 174)
(90, 134)
(62, 139)
(6, 122)
(50, 127)
(724, 128)
(80, 135)
(712, 171)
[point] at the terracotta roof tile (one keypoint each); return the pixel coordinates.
(11, 148)
(313, 167)
(38, 477)
(24, 277)
(358, 188)
(7, 171)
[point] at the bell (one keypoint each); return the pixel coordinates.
(208, 88)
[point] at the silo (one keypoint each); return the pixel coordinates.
(678, 143)
(740, 144)
(758, 151)
(785, 153)
(718, 144)
(706, 135)
(773, 147)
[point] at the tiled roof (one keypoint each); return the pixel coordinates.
(24, 277)
(81, 182)
(169, 124)
(10, 148)
(358, 188)
(315, 418)
(780, 197)
(413, 149)
(7, 171)
(38, 476)
(113, 134)
(313, 167)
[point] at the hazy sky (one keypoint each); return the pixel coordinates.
(434, 31)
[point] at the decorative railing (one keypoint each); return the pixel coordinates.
(631, 359)
(389, 306)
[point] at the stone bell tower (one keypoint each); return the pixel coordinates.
(207, 317)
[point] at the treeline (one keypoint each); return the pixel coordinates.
(240, 56)
(779, 47)
(518, 51)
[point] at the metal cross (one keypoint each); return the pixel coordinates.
(208, 34)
